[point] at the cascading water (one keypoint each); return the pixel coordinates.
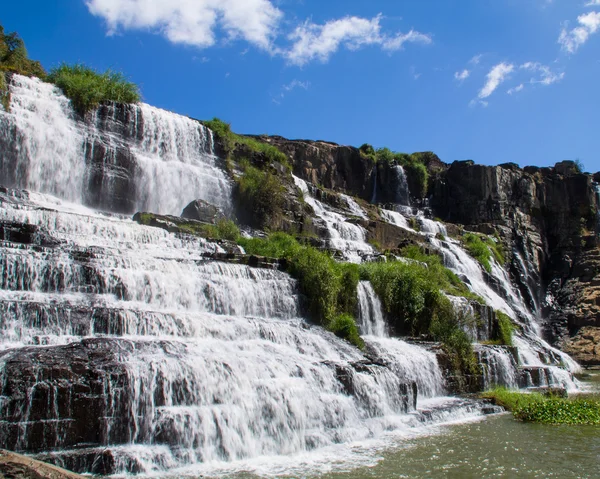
(370, 315)
(125, 348)
(410, 362)
(346, 237)
(403, 192)
(534, 353)
(156, 160)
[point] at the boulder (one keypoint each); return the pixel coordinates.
(203, 211)
(16, 466)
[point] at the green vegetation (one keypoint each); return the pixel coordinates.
(478, 249)
(229, 141)
(505, 329)
(329, 287)
(14, 57)
(414, 166)
(412, 294)
(87, 88)
(482, 248)
(224, 229)
(549, 409)
(414, 223)
(261, 196)
(345, 327)
(4, 92)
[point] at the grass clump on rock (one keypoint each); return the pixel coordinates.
(260, 196)
(328, 286)
(87, 88)
(413, 296)
(548, 409)
(229, 141)
(483, 248)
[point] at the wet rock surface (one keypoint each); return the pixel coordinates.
(16, 466)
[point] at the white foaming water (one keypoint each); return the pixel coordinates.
(218, 367)
(370, 314)
(403, 193)
(177, 164)
(397, 219)
(346, 237)
(354, 207)
(173, 160)
(411, 362)
(50, 152)
(499, 366)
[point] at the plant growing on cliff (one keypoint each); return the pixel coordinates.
(230, 140)
(14, 57)
(260, 196)
(87, 88)
(412, 295)
(478, 249)
(223, 229)
(505, 329)
(329, 287)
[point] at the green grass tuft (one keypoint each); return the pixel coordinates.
(87, 88)
(535, 407)
(223, 229)
(229, 141)
(478, 249)
(261, 196)
(345, 327)
(329, 287)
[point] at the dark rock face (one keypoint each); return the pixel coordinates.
(332, 166)
(545, 215)
(64, 394)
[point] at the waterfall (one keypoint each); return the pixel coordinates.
(370, 314)
(403, 193)
(348, 238)
(141, 157)
(194, 361)
(395, 218)
(49, 156)
(410, 362)
(499, 366)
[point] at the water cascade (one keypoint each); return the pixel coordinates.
(346, 237)
(124, 348)
(146, 158)
(403, 192)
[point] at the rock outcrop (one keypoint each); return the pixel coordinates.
(16, 466)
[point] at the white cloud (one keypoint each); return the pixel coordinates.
(476, 59)
(593, 3)
(570, 41)
(462, 76)
(319, 42)
(296, 84)
(198, 23)
(495, 77)
(516, 89)
(547, 76)
(193, 22)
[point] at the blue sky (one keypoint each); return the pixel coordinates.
(488, 80)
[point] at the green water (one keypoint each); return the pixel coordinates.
(498, 446)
